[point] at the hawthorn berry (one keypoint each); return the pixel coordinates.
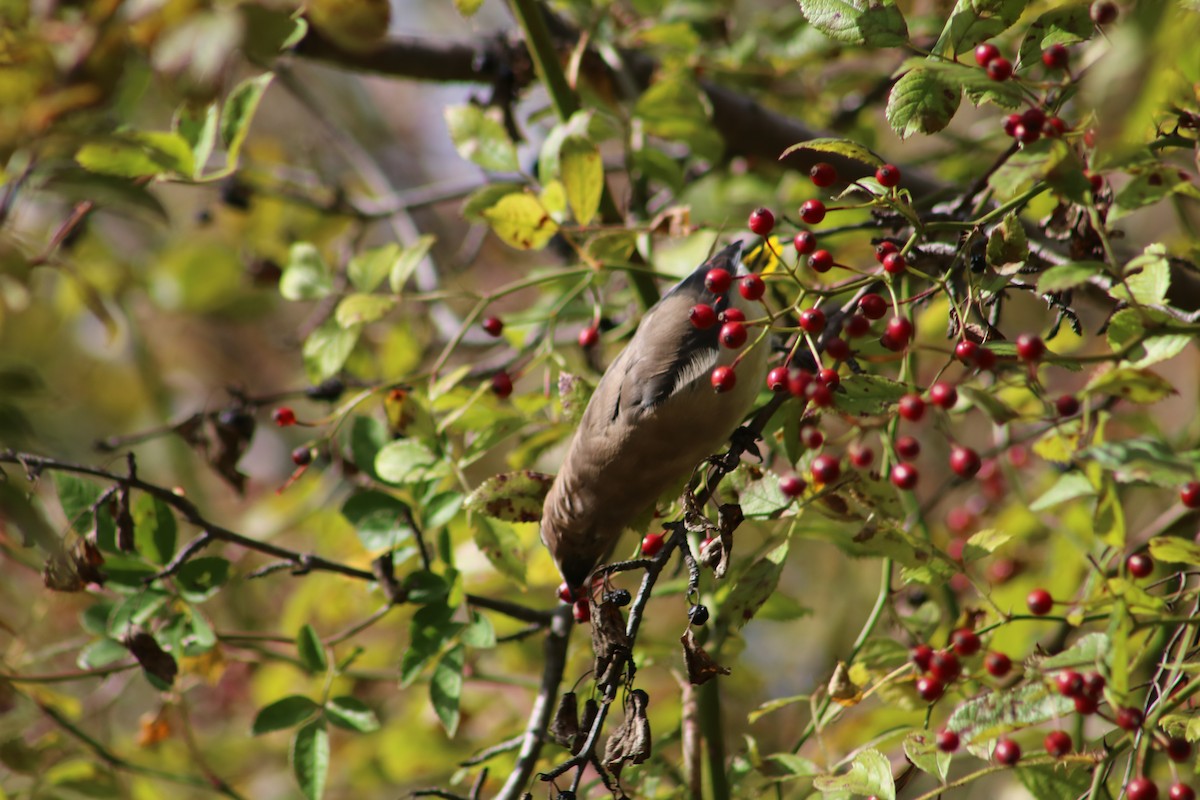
(821, 261)
(1007, 752)
(1139, 565)
(1026, 134)
(965, 642)
(1058, 743)
(1189, 495)
(302, 456)
(1086, 704)
(904, 476)
(567, 594)
(652, 544)
(857, 325)
(493, 325)
(1030, 347)
(921, 655)
(1093, 684)
(812, 211)
(805, 242)
(723, 378)
(884, 249)
(1141, 788)
(986, 53)
(860, 455)
(792, 485)
(1054, 127)
(1010, 124)
(826, 469)
(752, 287)
(1095, 180)
(894, 263)
(930, 688)
(1103, 12)
(999, 69)
(837, 349)
(1056, 57)
(731, 314)
(588, 337)
(997, 664)
(945, 666)
(1178, 750)
(985, 358)
(1066, 405)
(798, 382)
(943, 395)
(888, 175)
(947, 740)
(762, 221)
(820, 394)
(1069, 683)
(777, 379)
(964, 461)
(908, 447)
(812, 320)
(733, 335)
(581, 611)
(911, 407)
(502, 385)
(1034, 118)
(965, 351)
(718, 280)
(283, 416)
(702, 316)
(1129, 719)
(872, 306)
(822, 174)
(900, 330)
(829, 377)
(811, 437)
(1039, 602)
(1181, 791)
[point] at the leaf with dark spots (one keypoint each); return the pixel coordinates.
(512, 497)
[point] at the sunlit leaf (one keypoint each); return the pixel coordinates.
(310, 758)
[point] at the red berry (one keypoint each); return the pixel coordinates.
(1096, 181)
(1139, 565)
(883, 250)
(986, 53)
(1103, 12)
(718, 280)
(1010, 124)
(302, 456)
(1058, 743)
(921, 655)
(733, 335)
(502, 385)
(792, 485)
(762, 221)
(837, 349)
(999, 69)
(731, 314)
(1086, 704)
(1066, 405)
(888, 175)
(857, 325)
(1141, 788)
(1178, 750)
(965, 642)
(965, 351)
(930, 688)
(860, 455)
(997, 664)
(900, 329)
(723, 378)
(1129, 719)
(1093, 684)
(805, 242)
(872, 306)
(1056, 57)
(911, 407)
(702, 316)
(985, 358)
(652, 544)
(819, 394)
(812, 320)
(1189, 495)
(821, 261)
(588, 337)
(1039, 602)
(823, 174)
(1069, 683)
(1008, 752)
(1030, 347)
(943, 395)
(569, 595)
(811, 437)
(812, 211)
(894, 263)
(908, 447)
(826, 469)
(283, 416)
(1181, 791)
(947, 740)
(777, 379)
(580, 611)
(1054, 127)
(904, 476)
(945, 666)
(752, 287)
(798, 382)
(1034, 118)
(1025, 134)
(493, 325)
(964, 461)
(829, 377)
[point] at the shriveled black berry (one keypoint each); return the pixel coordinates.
(698, 614)
(328, 389)
(238, 420)
(618, 597)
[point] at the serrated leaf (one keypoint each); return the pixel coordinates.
(76, 496)
(870, 773)
(989, 716)
(368, 269)
(1063, 25)
(984, 543)
(1069, 486)
(1162, 348)
(360, 309)
(921, 748)
(759, 494)
(1055, 782)
(1091, 650)
(352, 714)
(238, 112)
(1147, 278)
(502, 547)
(287, 712)
(874, 24)
(988, 403)
(480, 137)
(1133, 384)
(312, 652)
(753, 588)
(327, 348)
(512, 497)
(410, 258)
(842, 147)
(972, 22)
(1050, 160)
(521, 221)
(1175, 550)
(675, 108)
(867, 395)
(787, 766)
(1069, 275)
(922, 101)
(582, 172)
(1007, 242)
(1123, 327)
(310, 758)
(1148, 186)
(1146, 460)
(445, 688)
(306, 276)
(402, 460)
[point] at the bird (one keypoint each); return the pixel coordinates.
(653, 417)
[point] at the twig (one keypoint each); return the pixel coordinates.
(488, 753)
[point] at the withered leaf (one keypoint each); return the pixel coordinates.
(73, 570)
(564, 728)
(153, 659)
(630, 743)
(125, 536)
(843, 690)
(610, 642)
(701, 667)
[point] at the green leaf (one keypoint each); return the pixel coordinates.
(403, 460)
(786, 766)
(1148, 460)
(238, 112)
(306, 275)
(582, 172)
(1055, 782)
(379, 519)
(480, 137)
(921, 748)
(327, 348)
(1147, 278)
(1063, 25)
(982, 719)
(753, 588)
(484, 198)
(870, 773)
(310, 758)
(1049, 160)
(1175, 550)
(521, 221)
(445, 688)
(409, 260)
(432, 627)
(1123, 327)
(842, 147)
(759, 493)
(1162, 348)
(1090, 650)
(512, 496)
(1069, 275)
(867, 395)
(312, 652)
(1129, 383)
(368, 269)
(138, 155)
(502, 547)
(197, 127)
(154, 529)
(922, 101)
(360, 309)
(134, 611)
(479, 632)
(1069, 486)
(76, 496)
(286, 713)
(468, 7)
(1007, 242)
(352, 714)
(675, 108)
(1148, 186)
(774, 705)
(658, 166)
(101, 653)
(201, 578)
(975, 21)
(987, 402)
(984, 543)
(874, 24)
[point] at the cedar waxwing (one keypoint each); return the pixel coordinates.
(653, 418)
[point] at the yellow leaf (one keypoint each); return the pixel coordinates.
(521, 221)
